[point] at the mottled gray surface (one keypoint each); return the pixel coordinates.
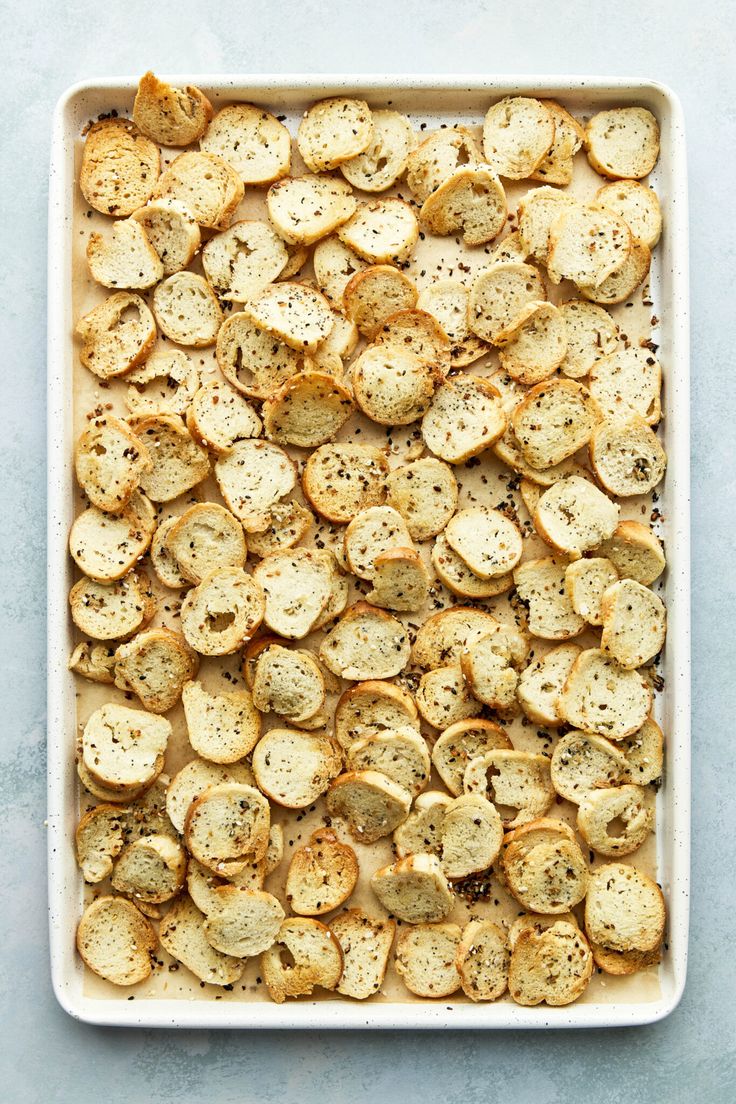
(46, 1057)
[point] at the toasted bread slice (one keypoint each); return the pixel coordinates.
(372, 804)
(443, 697)
(151, 869)
(381, 231)
(554, 420)
(120, 167)
(426, 959)
(392, 386)
(334, 267)
(253, 476)
(644, 752)
(425, 493)
(116, 335)
(534, 346)
(308, 410)
(225, 825)
(445, 635)
(366, 643)
(517, 782)
(165, 384)
(252, 141)
(447, 301)
(366, 945)
(253, 360)
(297, 584)
(463, 742)
(538, 209)
(205, 538)
(635, 552)
(470, 201)
(471, 836)
(205, 185)
(554, 966)
(293, 313)
(322, 874)
(601, 697)
(155, 664)
(634, 623)
(293, 768)
(486, 540)
(187, 310)
(192, 781)
(400, 580)
(314, 959)
(165, 567)
(591, 334)
(399, 753)
(622, 284)
(123, 749)
(454, 573)
(482, 960)
(170, 116)
(490, 677)
(245, 922)
(304, 209)
(219, 416)
(575, 517)
(587, 244)
(332, 131)
(203, 884)
(623, 142)
(241, 262)
(583, 764)
(626, 805)
(438, 156)
(541, 682)
(628, 383)
(289, 682)
(541, 585)
(222, 728)
(623, 963)
(557, 165)
(518, 133)
(385, 157)
(374, 294)
(637, 205)
(586, 581)
(422, 829)
(464, 418)
(340, 480)
(182, 934)
(371, 708)
(109, 611)
(624, 909)
(288, 523)
(106, 546)
(98, 840)
(171, 231)
(371, 533)
(125, 258)
(499, 294)
(414, 889)
(223, 611)
(545, 870)
(178, 462)
(509, 248)
(116, 941)
(627, 457)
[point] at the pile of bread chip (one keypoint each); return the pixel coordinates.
(380, 663)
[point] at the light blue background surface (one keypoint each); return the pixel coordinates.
(44, 1055)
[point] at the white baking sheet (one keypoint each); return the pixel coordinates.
(175, 999)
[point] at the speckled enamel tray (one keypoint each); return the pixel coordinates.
(429, 101)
